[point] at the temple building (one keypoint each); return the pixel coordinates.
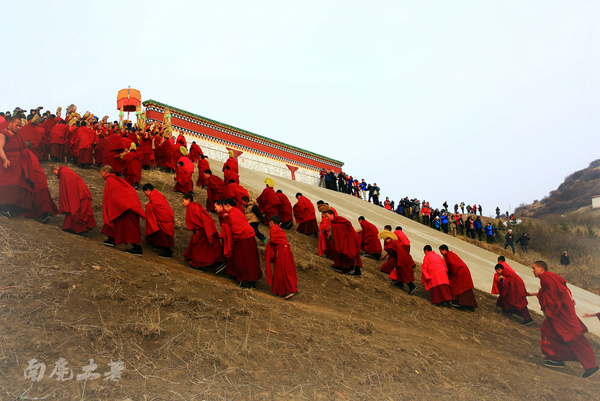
(252, 151)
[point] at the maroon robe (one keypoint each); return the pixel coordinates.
(513, 294)
(369, 240)
(204, 248)
(16, 182)
(283, 275)
(285, 211)
(35, 136)
(115, 146)
(434, 275)
(399, 264)
(562, 331)
(85, 138)
(461, 283)
(325, 243)
(304, 213)
(346, 244)
(160, 221)
(59, 135)
(75, 202)
(42, 200)
(215, 190)
(132, 167)
(231, 175)
(239, 247)
(183, 175)
(233, 165)
(121, 211)
(236, 191)
(195, 152)
(268, 202)
(202, 177)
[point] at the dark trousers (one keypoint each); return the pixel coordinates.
(258, 234)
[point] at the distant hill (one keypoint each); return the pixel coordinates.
(574, 194)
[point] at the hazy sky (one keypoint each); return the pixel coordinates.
(487, 102)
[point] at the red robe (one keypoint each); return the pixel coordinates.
(195, 152)
(34, 135)
(75, 202)
(369, 240)
(202, 177)
(121, 211)
(236, 191)
(85, 138)
(325, 244)
(496, 275)
(59, 135)
(16, 182)
(231, 175)
(304, 212)
(183, 175)
(285, 208)
(233, 165)
(132, 167)
(160, 221)
(215, 190)
(513, 294)
(345, 243)
(434, 275)
(42, 200)
(399, 264)
(239, 247)
(268, 202)
(283, 275)
(205, 248)
(403, 239)
(562, 331)
(461, 283)
(114, 147)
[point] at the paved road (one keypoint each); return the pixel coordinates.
(480, 261)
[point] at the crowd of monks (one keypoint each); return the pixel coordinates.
(123, 152)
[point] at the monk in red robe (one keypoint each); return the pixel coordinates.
(115, 147)
(304, 213)
(215, 190)
(434, 275)
(44, 206)
(369, 240)
(33, 134)
(461, 283)
(148, 159)
(326, 245)
(268, 201)
(205, 248)
(346, 243)
(85, 139)
(232, 163)
(75, 201)
(160, 222)
(399, 264)
(16, 172)
(502, 261)
(562, 331)
(59, 135)
(121, 212)
(402, 238)
(513, 295)
(132, 166)
(229, 174)
(202, 176)
(239, 245)
(236, 192)
(285, 211)
(183, 175)
(195, 152)
(283, 276)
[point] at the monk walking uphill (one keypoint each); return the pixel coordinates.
(278, 252)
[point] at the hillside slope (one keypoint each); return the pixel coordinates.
(185, 335)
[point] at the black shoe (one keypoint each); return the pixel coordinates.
(356, 272)
(134, 251)
(45, 218)
(412, 289)
(589, 372)
(554, 364)
(165, 255)
(198, 269)
(468, 308)
(399, 285)
(6, 214)
(220, 268)
(291, 294)
(455, 304)
(336, 269)
(248, 284)
(527, 322)
(109, 242)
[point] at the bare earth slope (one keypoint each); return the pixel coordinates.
(185, 335)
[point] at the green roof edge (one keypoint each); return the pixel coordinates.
(150, 101)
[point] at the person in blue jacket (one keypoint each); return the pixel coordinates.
(478, 226)
(489, 233)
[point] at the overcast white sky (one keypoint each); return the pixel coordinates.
(487, 102)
